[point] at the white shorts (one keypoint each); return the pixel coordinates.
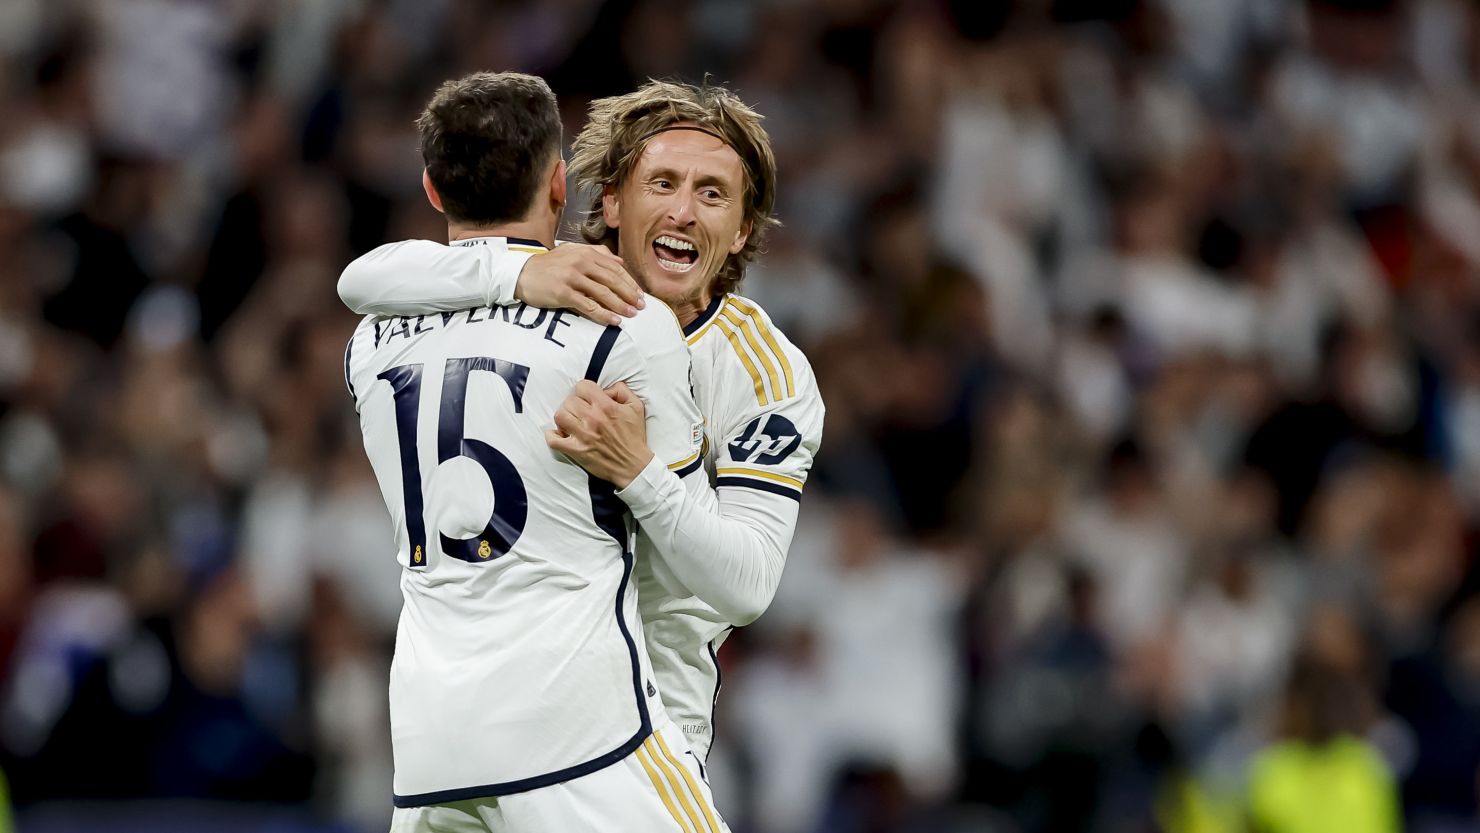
(659, 788)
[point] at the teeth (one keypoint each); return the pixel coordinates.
(674, 267)
(675, 243)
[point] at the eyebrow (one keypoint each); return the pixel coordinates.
(699, 182)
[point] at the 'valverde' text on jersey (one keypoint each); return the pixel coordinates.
(518, 656)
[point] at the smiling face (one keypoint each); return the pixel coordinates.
(679, 214)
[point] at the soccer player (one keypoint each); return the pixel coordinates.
(520, 699)
(685, 186)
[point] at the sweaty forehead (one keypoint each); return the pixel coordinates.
(690, 150)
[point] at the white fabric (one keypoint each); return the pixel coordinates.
(749, 536)
(515, 667)
(441, 278)
(716, 557)
(707, 560)
(658, 788)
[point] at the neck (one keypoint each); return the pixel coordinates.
(688, 311)
(541, 230)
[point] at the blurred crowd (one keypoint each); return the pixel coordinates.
(1149, 332)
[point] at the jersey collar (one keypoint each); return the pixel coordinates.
(508, 241)
(706, 316)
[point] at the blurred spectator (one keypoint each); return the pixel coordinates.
(1321, 775)
(1124, 537)
(860, 666)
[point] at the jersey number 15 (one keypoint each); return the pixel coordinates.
(510, 502)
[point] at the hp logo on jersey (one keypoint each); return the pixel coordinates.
(766, 441)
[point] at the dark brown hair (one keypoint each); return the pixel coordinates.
(607, 149)
(486, 139)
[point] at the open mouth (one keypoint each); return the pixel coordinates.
(675, 255)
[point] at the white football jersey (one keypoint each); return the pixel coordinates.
(763, 426)
(517, 660)
(764, 418)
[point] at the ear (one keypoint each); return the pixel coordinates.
(432, 196)
(611, 206)
(740, 237)
(557, 187)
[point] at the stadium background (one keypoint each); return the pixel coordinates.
(1149, 333)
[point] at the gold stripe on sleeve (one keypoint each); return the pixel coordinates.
(743, 326)
(685, 461)
(764, 475)
(755, 375)
(766, 334)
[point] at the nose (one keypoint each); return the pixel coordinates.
(681, 207)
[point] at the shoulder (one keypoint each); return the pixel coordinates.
(654, 330)
(401, 253)
(750, 350)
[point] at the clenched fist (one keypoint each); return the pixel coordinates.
(603, 431)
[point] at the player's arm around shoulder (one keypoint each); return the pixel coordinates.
(414, 277)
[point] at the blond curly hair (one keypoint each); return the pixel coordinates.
(606, 151)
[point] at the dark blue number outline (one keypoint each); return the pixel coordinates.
(511, 500)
